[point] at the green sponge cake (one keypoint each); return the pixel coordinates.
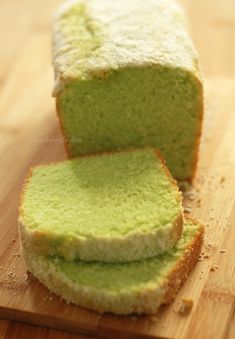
(127, 76)
(137, 287)
(113, 207)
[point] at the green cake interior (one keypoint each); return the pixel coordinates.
(116, 278)
(109, 195)
(155, 105)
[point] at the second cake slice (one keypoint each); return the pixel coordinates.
(113, 207)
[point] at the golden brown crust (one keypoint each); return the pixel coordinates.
(177, 231)
(198, 135)
(181, 272)
(66, 141)
(28, 176)
(179, 221)
(166, 170)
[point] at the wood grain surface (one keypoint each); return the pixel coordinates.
(29, 135)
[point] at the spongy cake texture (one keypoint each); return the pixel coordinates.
(139, 287)
(113, 207)
(127, 76)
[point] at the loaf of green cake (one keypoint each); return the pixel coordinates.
(127, 76)
(136, 287)
(114, 207)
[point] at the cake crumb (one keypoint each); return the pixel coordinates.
(214, 268)
(11, 274)
(26, 276)
(187, 209)
(184, 186)
(185, 306)
(222, 179)
(222, 251)
(200, 257)
(199, 202)
(191, 195)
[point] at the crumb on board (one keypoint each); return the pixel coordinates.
(222, 251)
(11, 274)
(199, 202)
(187, 209)
(222, 179)
(214, 268)
(26, 276)
(184, 186)
(200, 257)
(184, 306)
(191, 195)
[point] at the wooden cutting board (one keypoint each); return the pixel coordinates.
(30, 135)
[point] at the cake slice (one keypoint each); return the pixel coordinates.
(127, 76)
(114, 207)
(121, 288)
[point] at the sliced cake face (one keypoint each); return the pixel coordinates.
(114, 207)
(127, 76)
(139, 287)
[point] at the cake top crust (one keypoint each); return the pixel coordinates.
(94, 37)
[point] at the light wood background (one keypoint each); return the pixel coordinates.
(29, 135)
